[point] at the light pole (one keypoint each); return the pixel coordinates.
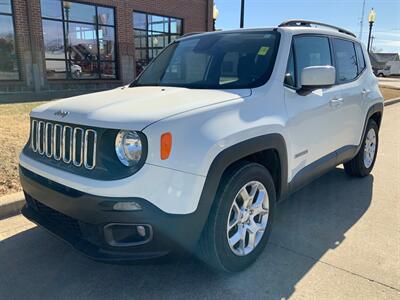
(215, 15)
(242, 14)
(371, 20)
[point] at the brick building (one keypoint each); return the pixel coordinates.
(55, 45)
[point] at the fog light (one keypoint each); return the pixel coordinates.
(127, 206)
(141, 230)
(127, 235)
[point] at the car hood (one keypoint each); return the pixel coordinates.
(132, 108)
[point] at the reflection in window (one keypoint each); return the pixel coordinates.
(80, 41)
(152, 34)
(311, 51)
(346, 60)
(360, 58)
(8, 57)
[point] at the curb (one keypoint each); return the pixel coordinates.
(10, 205)
(391, 101)
(388, 86)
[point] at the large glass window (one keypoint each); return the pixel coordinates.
(346, 60)
(152, 34)
(8, 57)
(79, 40)
(218, 61)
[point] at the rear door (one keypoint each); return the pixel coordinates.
(350, 65)
(312, 116)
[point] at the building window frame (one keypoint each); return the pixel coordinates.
(147, 33)
(17, 61)
(97, 25)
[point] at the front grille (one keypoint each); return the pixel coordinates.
(65, 223)
(64, 143)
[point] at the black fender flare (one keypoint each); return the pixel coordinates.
(229, 156)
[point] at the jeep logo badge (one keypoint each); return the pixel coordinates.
(61, 113)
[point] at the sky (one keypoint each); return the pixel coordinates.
(342, 13)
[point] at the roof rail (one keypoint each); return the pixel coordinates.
(190, 34)
(293, 23)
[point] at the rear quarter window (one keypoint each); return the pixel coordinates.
(345, 59)
(360, 58)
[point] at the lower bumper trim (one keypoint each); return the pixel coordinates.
(83, 246)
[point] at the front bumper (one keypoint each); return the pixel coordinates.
(80, 218)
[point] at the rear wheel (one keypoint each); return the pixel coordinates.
(363, 163)
(240, 222)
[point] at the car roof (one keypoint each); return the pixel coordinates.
(291, 30)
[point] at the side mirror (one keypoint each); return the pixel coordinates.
(318, 77)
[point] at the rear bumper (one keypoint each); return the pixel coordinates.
(80, 218)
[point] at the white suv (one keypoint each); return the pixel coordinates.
(197, 152)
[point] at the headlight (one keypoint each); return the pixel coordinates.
(128, 147)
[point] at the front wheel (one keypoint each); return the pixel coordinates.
(240, 222)
(363, 163)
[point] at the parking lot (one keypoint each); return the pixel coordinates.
(337, 238)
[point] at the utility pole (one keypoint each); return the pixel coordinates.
(362, 21)
(242, 14)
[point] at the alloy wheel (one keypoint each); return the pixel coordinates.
(248, 218)
(369, 148)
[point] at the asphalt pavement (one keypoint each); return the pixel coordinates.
(338, 238)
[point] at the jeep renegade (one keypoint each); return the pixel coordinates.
(200, 148)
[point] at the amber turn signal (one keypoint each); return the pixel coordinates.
(166, 145)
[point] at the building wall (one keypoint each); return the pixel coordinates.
(196, 15)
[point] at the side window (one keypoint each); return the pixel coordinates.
(346, 60)
(311, 51)
(360, 58)
(290, 76)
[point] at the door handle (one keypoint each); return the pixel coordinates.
(336, 101)
(365, 92)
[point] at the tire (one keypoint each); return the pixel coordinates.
(361, 165)
(214, 248)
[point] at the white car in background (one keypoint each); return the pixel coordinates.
(197, 152)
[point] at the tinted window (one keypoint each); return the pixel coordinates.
(105, 15)
(311, 51)
(223, 60)
(79, 12)
(360, 58)
(51, 9)
(78, 45)
(53, 37)
(152, 34)
(5, 6)
(346, 60)
(290, 78)
(8, 57)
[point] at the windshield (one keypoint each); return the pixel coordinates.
(217, 61)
